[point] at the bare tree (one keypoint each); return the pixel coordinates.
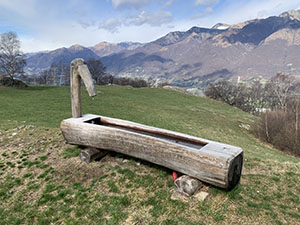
(58, 74)
(66, 74)
(97, 69)
(12, 61)
(44, 77)
(279, 89)
(221, 90)
(257, 92)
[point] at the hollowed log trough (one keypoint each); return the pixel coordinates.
(211, 162)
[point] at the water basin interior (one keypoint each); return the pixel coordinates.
(159, 134)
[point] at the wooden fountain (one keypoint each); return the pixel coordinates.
(209, 161)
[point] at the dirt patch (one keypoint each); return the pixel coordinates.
(76, 171)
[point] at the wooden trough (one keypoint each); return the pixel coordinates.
(212, 162)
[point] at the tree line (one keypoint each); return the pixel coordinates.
(256, 96)
(12, 64)
(59, 75)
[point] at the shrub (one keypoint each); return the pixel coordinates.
(281, 129)
(239, 95)
(9, 82)
(137, 83)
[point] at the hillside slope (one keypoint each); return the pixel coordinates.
(39, 61)
(106, 48)
(43, 60)
(42, 181)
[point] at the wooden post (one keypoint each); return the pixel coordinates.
(78, 70)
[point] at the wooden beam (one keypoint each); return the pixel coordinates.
(78, 70)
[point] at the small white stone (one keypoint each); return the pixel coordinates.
(245, 126)
(125, 160)
(179, 197)
(138, 163)
(21, 127)
(201, 196)
(13, 134)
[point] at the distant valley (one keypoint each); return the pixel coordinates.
(193, 58)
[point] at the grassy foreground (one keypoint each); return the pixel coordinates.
(42, 181)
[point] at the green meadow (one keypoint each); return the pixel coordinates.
(42, 180)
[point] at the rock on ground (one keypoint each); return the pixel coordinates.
(187, 185)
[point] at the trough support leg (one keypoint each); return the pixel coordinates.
(187, 185)
(89, 154)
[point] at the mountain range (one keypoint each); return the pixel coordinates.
(193, 58)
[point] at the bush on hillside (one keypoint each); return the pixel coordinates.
(137, 83)
(281, 129)
(122, 81)
(239, 95)
(9, 82)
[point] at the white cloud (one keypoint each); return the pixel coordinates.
(168, 3)
(262, 13)
(27, 9)
(205, 2)
(86, 24)
(209, 10)
(206, 12)
(31, 44)
(111, 25)
(48, 25)
(255, 9)
(153, 19)
(129, 3)
(143, 18)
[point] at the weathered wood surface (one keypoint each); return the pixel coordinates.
(153, 130)
(78, 70)
(90, 154)
(212, 162)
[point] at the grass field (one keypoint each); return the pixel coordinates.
(42, 181)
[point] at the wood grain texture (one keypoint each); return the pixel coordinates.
(75, 84)
(78, 70)
(212, 162)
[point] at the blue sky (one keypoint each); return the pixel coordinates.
(47, 25)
